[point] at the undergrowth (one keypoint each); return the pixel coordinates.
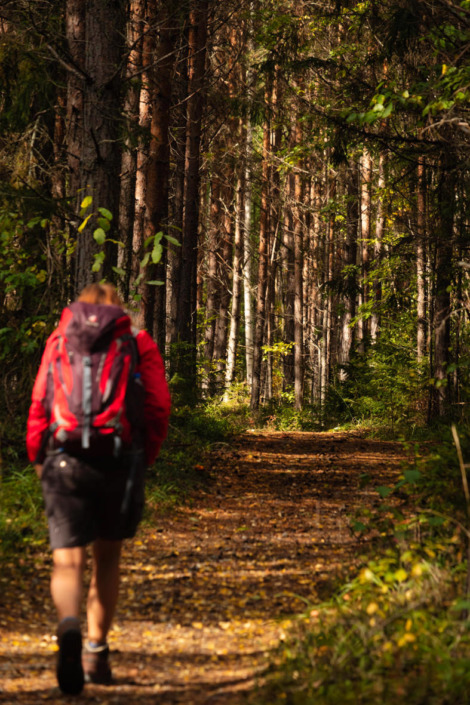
(395, 632)
(399, 631)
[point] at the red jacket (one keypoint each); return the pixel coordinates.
(156, 405)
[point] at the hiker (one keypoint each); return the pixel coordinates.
(90, 437)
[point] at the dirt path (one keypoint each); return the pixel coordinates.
(208, 592)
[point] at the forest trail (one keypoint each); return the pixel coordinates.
(208, 591)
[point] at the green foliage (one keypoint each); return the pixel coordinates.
(22, 519)
(27, 312)
(392, 634)
(383, 386)
(280, 415)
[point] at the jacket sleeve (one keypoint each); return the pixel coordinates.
(38, 420)
(157, 396)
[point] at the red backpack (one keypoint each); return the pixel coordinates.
(94, 395)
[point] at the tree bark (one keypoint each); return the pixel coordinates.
(350, 259)
(186, 317)
(442, 303)
(363, 251)
(421, 334)
(100, 153)
(260, 316)
(298, 288)
(135, 28)
(158, 166)
(379, 232)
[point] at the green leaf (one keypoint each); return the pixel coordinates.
(105, 213)
(157, 253)
(104, 224)
(412, 476)
(87, 201)
(173, 240)
(99, 258)
(359, 526)
(145, 260)
(119, 271)
(384, 491)
(387, 111)
(155, 282)
(100, 236)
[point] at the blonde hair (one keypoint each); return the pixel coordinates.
(100, 294)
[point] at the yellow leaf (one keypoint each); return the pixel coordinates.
(400, 575)
(366, 575)
(406, 639)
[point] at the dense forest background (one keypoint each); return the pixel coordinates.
(279, 190)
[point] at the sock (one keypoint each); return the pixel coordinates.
(95, 647)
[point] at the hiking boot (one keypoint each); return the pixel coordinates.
(69, 662)
(96, 665)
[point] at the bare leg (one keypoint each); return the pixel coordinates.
(66, 580)
(104, 589)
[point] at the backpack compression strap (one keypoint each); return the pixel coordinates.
(87, 398)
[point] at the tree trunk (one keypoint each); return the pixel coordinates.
(379, 232)
(442, 307)
(236, 290)
(421, 334)
(100, 154)
(157, 165)
(135, 27)
(363, 251)
(174, 252)
(212, 287)
(298, 292)
(186, 321)
(350, 258)
(75, 23)
(288, 279)
(260, 317)
(138, 237)
(313, 298)
(247, 200)
(225, 264)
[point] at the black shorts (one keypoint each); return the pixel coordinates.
(84, 499)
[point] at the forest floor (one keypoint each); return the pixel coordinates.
(210, 589)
